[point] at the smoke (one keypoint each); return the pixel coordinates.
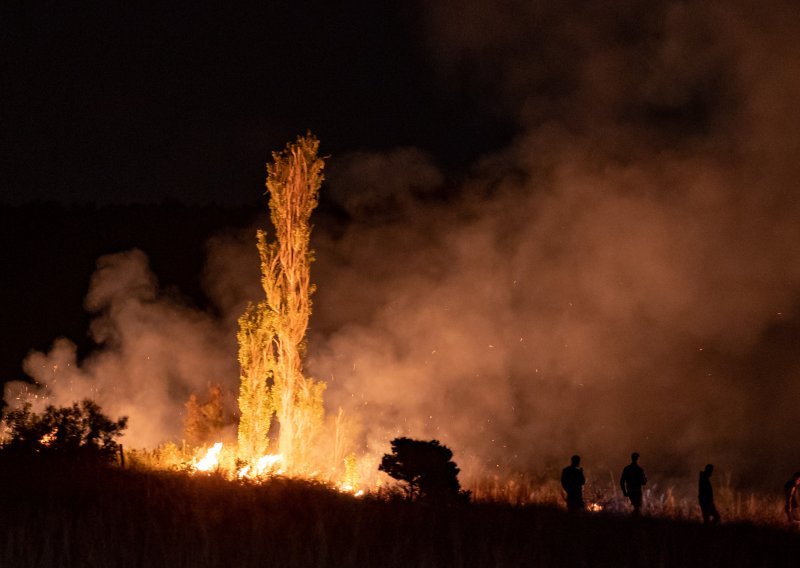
(360, 184)
(610, 281)
(153, 352)
(231, 277)
(623, 276)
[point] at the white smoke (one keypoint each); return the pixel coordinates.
(154, 351)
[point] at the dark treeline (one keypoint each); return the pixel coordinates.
(49, 253)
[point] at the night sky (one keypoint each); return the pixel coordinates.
(113, 105)
(122, 104)
(577, 220)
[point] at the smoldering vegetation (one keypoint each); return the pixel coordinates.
(111, 517)
(623, 276)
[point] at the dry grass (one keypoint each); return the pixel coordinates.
(68, 516)
(669, 501)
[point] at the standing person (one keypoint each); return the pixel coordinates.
(631, 482)
(790, 493)
(572, 480)
(705, 495)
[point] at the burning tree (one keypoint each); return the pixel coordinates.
(272, 333)
(205, 419)
(257, 364)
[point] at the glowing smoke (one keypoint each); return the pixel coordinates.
(610, 281)
(154, 352)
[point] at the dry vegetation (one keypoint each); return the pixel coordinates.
(676, 502)
(73, 516)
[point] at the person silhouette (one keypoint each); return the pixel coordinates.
(631, 482)
(790, 494)
(705, 496)
(572, 481)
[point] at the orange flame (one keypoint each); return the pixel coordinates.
(49, 438)
(265, 465)
(211, 459)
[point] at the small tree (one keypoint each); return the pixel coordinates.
(77, 431)
(426, 467)
(204, 419)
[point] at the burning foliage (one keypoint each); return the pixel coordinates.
(205, 419)
(272, 332)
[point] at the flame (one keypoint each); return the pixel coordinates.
(211, 459)
(267, 461)
(351, 479)
(265, 465)
(594, 507)
(271, 465)
(49, 438)
(354, 491)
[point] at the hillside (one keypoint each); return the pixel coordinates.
(69, 516)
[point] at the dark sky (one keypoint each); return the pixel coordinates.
(547, 228)
(119, 103)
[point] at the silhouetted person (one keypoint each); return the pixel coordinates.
(790, 492)
(631, 482)
(705, 495)
(572, 481)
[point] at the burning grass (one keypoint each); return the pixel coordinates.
(676, 501)
(73, 516)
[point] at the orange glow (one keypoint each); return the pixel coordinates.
(211, 459)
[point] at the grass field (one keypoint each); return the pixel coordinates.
(74, 516)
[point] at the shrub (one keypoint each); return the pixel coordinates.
(426, 468)
(77, 431)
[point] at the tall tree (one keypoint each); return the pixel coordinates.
(276, 327)
(257, 366)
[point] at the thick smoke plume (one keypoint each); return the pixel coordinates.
(624, 276)
(154, 352)
(615, 278)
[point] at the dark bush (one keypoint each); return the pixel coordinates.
(426, 468)
(80, 431)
